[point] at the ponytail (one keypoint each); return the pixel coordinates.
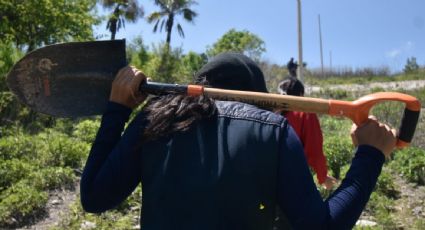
(175, 113)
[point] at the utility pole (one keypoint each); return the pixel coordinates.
(300, 44)
(321, 48)
(330, 61)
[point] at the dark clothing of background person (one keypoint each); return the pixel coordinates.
(292, 68)
(226, 172)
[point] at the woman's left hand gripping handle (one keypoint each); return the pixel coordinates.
(125, 87)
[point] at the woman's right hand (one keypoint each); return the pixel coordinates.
(125, 87)
(375, 134)
(330, 182)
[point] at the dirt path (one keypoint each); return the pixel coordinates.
(57, 207)
(410, 207)
(407, 85)
(408, 211)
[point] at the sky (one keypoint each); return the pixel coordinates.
(355, 34)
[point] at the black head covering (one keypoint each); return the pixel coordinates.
(291, 86)
(233, 71)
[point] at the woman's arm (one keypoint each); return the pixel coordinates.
(112, 168)
(299, 198)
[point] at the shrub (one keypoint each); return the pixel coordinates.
(18, 146)
(51, 178)
(334, 93)
(20, 202)
(333, 126)
(12, 171)
(411, 163)
(26, 172)
(61, 150)
(86, 130)
(388, 112)
(385, 185)
(338, 151)
(8, 108)
(65, 125)
(381, 208)
(125, 216)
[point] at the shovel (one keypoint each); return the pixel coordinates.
(74, 80)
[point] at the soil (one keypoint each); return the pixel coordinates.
(57, 207)
(407, 85)
(410, 207)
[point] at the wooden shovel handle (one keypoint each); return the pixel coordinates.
(357, 111)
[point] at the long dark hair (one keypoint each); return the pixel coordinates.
(175, 113)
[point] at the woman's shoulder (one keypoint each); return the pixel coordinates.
(239, 110)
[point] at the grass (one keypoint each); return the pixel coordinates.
(126, 216)
(34, 163)
(338, 80)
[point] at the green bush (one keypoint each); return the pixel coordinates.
(18, 146)
(334, 126)
(61, 150)
(86, 130)
(27, 198)
(339, 152)
(385, 185)
(125, 216)
(12, 171)
(381, 207)
(9, 55)
(8, 108)
(47, 149)
(388, 112)
(411, 163)
(65, 125)
(20, 202)
(30, 166)
(51, 178)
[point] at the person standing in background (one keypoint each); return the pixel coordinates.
(308, 129)
(292, 67)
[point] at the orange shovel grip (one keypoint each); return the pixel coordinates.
(358, 112)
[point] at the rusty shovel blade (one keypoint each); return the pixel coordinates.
(69, 79)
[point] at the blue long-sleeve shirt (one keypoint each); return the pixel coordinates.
(114, 169)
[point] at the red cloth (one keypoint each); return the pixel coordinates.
(307, 127)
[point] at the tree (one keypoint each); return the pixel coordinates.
(169, 9)
(9, 55)
(33, 23)
(239, 41)
(137, 53)
(411, 65)
(164, 63)
(124, 10)
(191, 63)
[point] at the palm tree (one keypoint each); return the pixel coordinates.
(166, 16)
(124, 10)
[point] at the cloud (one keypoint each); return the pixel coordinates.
(408, 46)
(398, 51)
(393, 53)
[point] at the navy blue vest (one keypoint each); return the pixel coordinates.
(221, 174)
